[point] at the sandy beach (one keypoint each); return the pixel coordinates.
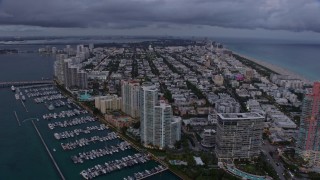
(276, 68)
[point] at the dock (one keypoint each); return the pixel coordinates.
(152, 174)
(45, 145)
(24, 105)
(15, 113)
(24, 83)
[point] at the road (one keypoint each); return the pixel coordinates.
(273, 160)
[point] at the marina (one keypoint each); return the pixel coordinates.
(64, 114)
(84, 140)
(114, 165)
(77, 132)
(87, 141)
(19, 96)
(93, 154)
(28, 156)
(72, 122)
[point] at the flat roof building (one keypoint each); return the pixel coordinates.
(109, 102)
(238, 135)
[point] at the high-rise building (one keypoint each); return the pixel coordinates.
(66, 72)
(80, 48)
(82, 80)
(148, 100)
(73, 76)
(58, 67)
(130, 98)
(158, 126)
(238, 135)
(162, 125)
(175, 130)
(69, 51)
(308, 142)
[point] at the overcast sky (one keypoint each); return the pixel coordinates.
(293, 19)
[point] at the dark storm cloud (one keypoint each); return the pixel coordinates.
(294, 15)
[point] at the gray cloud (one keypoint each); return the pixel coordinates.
(293, 15)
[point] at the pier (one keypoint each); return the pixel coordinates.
(45, 145)
(15, 113)
(151, 174)
(24, 83)
(24, 105)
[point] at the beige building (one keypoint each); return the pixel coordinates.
(249, 74)
(109, 102)
(218, 80)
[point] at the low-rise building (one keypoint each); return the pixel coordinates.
(109, 102)
(218, 80)
(119, 121)
(208, 138)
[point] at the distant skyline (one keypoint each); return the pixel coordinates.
(284, 19)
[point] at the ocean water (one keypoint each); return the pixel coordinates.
(22, 155)
(297, 56)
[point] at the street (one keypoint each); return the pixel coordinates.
(273, 160)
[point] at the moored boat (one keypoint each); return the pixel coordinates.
(17, 96)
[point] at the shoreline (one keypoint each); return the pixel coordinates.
(276, 68)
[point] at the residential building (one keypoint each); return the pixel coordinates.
(130, 98)
(82, 80)
(58, 67)
(73, 77)
(148, 100)
(249, 74)
(218, 80)
(119, 121)
(308, 143)
(238, 135)
(162, 125)
(158, 126)
(208, 138)
(109, 102)
(175, 130)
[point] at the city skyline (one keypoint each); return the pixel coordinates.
(210, 104)
(160, 89)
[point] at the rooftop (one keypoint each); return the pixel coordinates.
(235, 116)
(198, 160)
